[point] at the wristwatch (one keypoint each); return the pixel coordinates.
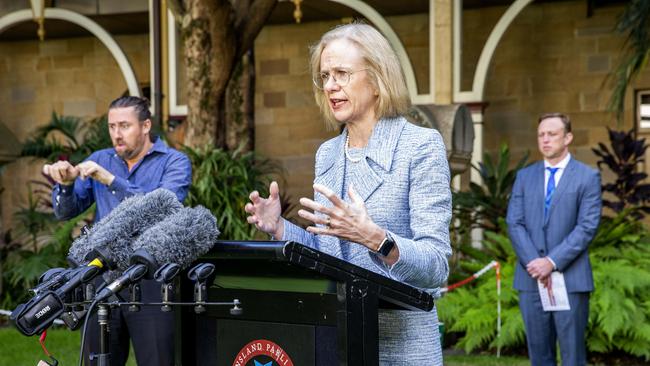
(386, 245)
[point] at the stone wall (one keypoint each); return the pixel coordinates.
(76, 76)
(552, 58)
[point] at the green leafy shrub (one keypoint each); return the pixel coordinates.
(484, 204)
(222, 181)
(619, 317)
(36, 243)
(68, 138)
(481, 207)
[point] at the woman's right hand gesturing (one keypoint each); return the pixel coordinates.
(265, 212)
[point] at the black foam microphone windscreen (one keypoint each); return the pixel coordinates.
(181, 237)
(115, 232)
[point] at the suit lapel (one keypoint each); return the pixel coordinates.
(537, 204)
(380, 150)
(333, 168)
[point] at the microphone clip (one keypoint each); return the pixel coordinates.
(136, 296)
(199, 274)
(165, 275)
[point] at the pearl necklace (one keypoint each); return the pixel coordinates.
(347, 154)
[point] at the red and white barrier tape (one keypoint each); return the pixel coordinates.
(482, 271)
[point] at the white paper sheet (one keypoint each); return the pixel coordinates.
(554, 297)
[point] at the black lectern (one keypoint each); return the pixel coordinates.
(300, 307)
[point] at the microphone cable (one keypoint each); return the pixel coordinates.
(41, 340)
(83, 332)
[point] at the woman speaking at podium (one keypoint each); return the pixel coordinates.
(382, 199)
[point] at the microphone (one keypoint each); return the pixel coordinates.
(111, 237)
(130, 275)
(180, 238)
(105, 246)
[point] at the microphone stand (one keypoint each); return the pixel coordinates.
(103, 319)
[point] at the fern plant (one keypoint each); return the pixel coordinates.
(619, 307)
(36, 243)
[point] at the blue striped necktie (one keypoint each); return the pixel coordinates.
(550, 188)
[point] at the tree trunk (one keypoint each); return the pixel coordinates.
(240, 105)
(217, 34)
(209, 52)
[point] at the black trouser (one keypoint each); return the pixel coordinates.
(150, 329)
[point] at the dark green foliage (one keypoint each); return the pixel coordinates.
(36, 243)
(484, 204)
(635, 23)
(619, 308)
(68, 138)
(627, 152)
(32, 222)
(222, 182)
(481, 207)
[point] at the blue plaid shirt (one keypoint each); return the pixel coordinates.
(161, 167)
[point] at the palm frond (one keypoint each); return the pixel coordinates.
(635, 23)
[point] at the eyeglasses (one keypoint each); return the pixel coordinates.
(340, 76)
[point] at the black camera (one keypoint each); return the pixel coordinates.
(40, 311)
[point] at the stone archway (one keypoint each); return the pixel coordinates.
(88, 24)
(480, 74)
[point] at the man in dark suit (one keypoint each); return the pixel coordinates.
(553, 214)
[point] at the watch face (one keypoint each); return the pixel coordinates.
(387, 246)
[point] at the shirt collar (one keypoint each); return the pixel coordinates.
(158, 146)
(562, 164)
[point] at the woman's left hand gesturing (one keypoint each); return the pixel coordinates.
(348, 221)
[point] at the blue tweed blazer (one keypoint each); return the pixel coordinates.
(405, 186)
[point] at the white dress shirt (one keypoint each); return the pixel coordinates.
(558, 174)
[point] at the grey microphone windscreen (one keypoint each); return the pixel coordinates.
(181, 237)
(115, 232)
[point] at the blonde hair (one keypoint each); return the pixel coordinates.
(384, 70)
